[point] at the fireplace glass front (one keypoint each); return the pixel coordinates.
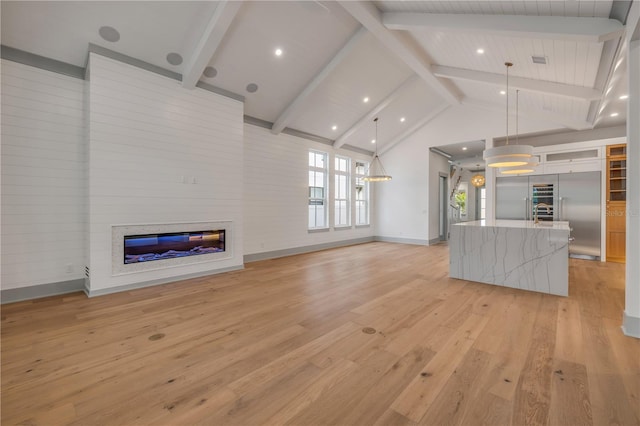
(150, 247)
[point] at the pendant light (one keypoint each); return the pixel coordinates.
(529, 167)
(477, 181)
(376, 172)
(508, 155)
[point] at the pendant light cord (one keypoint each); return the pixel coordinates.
(376, 121)
(508, 64)
(507, 104)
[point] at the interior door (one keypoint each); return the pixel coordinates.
(443, 206)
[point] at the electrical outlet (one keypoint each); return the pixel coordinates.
(69, 269)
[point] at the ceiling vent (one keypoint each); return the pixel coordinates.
(539, 60)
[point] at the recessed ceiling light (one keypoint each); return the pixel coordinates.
(252, 88)
(623, 97)
(278, 52)
(502, 92)
(373, 141)
(613, 114)
(480, 51)
(402, 120)
(365, 100)
(464, 148)
(334, 128)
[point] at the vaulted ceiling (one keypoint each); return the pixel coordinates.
(344, 63)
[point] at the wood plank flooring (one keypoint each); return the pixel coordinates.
(362, 335)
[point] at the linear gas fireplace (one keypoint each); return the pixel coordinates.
(168, 245)
(137, 248)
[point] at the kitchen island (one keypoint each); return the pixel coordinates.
(512, 253)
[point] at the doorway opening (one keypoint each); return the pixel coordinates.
(443, 197)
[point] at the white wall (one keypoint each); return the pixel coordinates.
(276, 180)
(79, 157)
(147, 135)
(42, 177)
(144, 134)
(404, 203)
(631, 325)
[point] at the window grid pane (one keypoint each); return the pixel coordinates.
(362, 194)
(342, 212)
(317, 190)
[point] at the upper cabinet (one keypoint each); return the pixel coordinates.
(572, 161)
(617, 173)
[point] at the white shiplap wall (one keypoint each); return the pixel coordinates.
(150, 140)
(276, 193)
(42, 177)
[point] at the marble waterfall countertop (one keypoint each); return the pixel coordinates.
(512, 253)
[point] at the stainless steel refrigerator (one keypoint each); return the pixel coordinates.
(574, 197)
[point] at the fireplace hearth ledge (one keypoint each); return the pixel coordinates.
(159, 281)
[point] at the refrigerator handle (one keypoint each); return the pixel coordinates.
(526, 208)
(560, 205)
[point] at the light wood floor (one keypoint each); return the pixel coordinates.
(363, 335)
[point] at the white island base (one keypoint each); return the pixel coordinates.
(512, 253)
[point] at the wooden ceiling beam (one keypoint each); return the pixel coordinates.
(295, 106)
(217, 27)
(371, 18)
(592, 30)
(411, 130)
(366, 119)
(526, 84)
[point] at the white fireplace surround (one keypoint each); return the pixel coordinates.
(118, 232)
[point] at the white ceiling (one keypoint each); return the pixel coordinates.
(410, 64)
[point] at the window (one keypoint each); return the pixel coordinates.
(342, 191)
(350, 193)
(317, 190)
(362, 194)
(483, 203)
